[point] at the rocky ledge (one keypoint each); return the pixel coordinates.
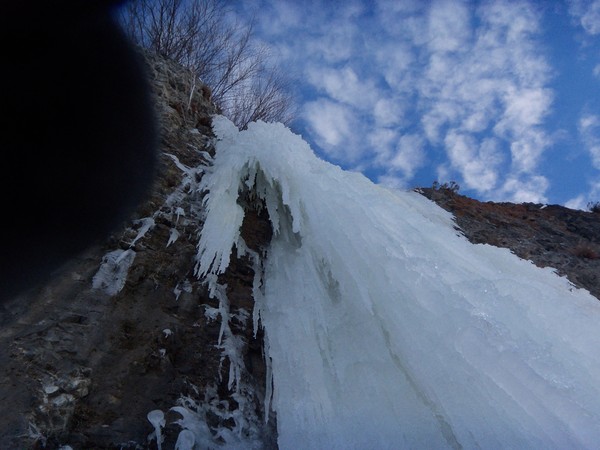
(548, 235)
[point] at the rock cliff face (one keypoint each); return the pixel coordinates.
(548, 235)
(127, 328)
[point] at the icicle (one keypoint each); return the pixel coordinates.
(157, 419)
(147, 224)
(269, 379)
(173, 236)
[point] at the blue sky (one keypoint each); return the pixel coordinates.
(502, 97)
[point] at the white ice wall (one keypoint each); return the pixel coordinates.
(385, 327)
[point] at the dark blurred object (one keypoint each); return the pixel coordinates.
(78, 134)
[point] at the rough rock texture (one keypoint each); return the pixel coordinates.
(82, 363)
(548, 235)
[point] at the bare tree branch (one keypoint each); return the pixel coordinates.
(200, 35)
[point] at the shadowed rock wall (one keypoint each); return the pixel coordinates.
(126, 327)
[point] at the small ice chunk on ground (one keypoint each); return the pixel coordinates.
(112, 274)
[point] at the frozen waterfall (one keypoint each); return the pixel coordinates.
(385, 327)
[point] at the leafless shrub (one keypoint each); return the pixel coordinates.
(202, 36)
(452, 186)
(594, 207)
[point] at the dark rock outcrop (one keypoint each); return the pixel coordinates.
(126, 327)
(548, 235)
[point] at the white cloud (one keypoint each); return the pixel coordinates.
(349, 10)
(333, 47)
(477, 163)
(589, 130)
(578, 202)
(492, 83)
(344, 85)
(382, 141)
(524, 108)
(526, 150)
(448, 26)
(528, 190)
(409, 13)
(331, 34)
(524, 112)
(587, 13)
(282, 16)
(409, 155)
(470, 80)
(440, 114)
(595, 191)
(305, 31)
(388, 112)
(509, 33)
(399, 156)
(475, 122)
(443, 173)
(391, 8)
(394, 61)
(335, 128)
(392, 181)
(581, 201)
(591, 19)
